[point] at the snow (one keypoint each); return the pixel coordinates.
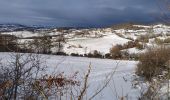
(102, 44)
(134, 50)
(120, 84)
(27, 34)
(143, 26)
(164, 91)
(22, 34)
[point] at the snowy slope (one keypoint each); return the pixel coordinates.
(86, 45)
(120, 84)
(21, 34)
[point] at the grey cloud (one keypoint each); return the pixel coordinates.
(77, 12)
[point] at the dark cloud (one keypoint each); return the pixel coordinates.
(77, 12)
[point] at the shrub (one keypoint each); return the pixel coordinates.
(95, 54)
(75, 54)
(161, 41)
(61, 53)
(139, 46)
(107, 55)
(153, 62)
(90, 55)
(115, 52)
(129, 44)
(134, 56)
(167, 40)
(125, 54)
(158, 41)
(130, 38)
(8, 43)
(143, 38)
(132, 44)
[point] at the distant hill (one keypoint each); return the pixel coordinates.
(129, 26)
(17, 27)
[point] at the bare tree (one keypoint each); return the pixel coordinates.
(42, 44)
(17, 76)
(58, 43)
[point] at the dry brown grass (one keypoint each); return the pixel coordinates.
(153, 62)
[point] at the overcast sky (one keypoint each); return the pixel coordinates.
(78, 13)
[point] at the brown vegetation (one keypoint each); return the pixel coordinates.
(162, 41)
(129, 26)
(153, 62)
(8, 43)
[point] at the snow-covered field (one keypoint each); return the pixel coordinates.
(119, 86)
(87, 45)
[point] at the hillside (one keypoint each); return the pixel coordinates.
(83, 41)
